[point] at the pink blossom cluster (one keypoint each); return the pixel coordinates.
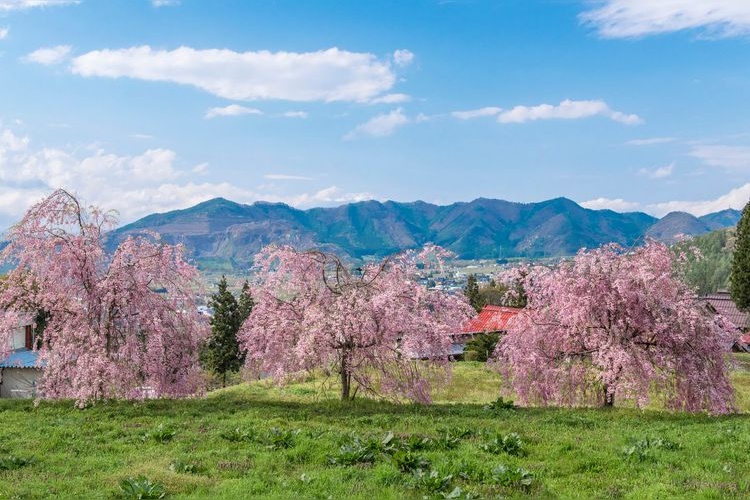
(120, 326)
(616, 324)
(374, 326)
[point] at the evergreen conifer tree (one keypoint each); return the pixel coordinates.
(245, 302)
(223, 354)
(472, 293)
(740, 279)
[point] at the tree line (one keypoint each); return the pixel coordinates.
(609, 325)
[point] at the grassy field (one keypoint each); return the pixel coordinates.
(258, 441)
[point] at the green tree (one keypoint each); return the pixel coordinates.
(483, 344)
(222, 352)
(245, 302)
(708, 270)
(493, 293)
(740, 280)
(471, 290)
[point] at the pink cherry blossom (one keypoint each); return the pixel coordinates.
(616, 325)
(375, 326)
(122, 325)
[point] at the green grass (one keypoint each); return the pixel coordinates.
(256, 440)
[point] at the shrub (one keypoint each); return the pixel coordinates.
(433, 482)
(469, 471)
(278, 439)
(642, 449)
(162, 434)
(237, 435)
(448, 440)
(12, 463)
(183, 467)
(352, 454)
(510, 444)
(141, 488)
(481, 346)
(407, 461)
(471, 356)
(512, 478)
(416, 443)
(389, 443)
(499, 404)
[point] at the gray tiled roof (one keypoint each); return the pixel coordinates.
(724, 305)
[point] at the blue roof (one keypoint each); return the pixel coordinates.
(21, 358)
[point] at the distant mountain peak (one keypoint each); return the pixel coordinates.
(220, 230)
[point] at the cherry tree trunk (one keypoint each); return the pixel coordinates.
(609, 398)
(346, 378)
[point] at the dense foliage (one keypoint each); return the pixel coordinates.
(494, 293)
(471, 291)
(615, 324)
(481, 347)
(117, 326)
(708, 260)
(370, 325)
(740, 281)
(222, 353)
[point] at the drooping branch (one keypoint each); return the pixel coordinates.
(314, 311)
(616, 321)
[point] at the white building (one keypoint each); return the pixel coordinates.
(20, 371)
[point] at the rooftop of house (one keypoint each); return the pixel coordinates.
(491, 319)
(21, 358)
(722, 303)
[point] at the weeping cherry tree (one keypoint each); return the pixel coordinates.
(119, 325)
(616, 325)
(374, 326)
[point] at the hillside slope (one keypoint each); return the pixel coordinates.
(483, 228)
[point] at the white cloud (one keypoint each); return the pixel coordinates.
(49, 55)
(390, 99)
(727, 157)
(296, 114)
(330, 195)
(657, 173)
(617, 204)
(637, 18)
(4, 33)
(649, 141)
(380, 126)
(566, 110)
(6, 5)
(326, 75)
(736, 198)
(135, 185)
(232, 110)
(10, 142)
(140, 184)
(476, 113)
(144, 137)
(165, 3)
(200, 169)
(403, 57)
(287, 177)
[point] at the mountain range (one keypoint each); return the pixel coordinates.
(223, 232)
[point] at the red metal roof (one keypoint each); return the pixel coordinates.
(491, 319)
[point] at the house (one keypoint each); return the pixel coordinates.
(20, 370)
(721, 303)
(492, 319)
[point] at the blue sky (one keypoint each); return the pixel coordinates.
(152, 105)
